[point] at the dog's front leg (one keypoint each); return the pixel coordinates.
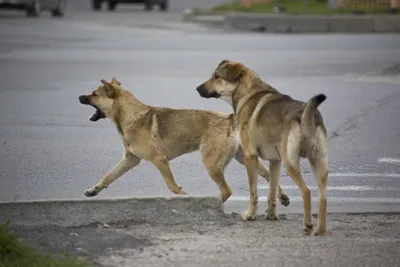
(251, 163)
(275, 171)
(127, 162)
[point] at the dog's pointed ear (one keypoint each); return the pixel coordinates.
(115, 81)
(230, 70)
(109, 88)
(223, 63)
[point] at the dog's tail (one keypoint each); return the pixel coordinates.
(308, 125)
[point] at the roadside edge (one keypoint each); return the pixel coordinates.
(287, 23)
(78, 212)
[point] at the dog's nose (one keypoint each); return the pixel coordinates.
(199, 88)
(84, 99)
(202, 92)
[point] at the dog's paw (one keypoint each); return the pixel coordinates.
(225, 196)
(91, 192)
(178, 191)
(284, 200)
(271, 216)
(182, 192)
(318, 232)
(307, 227)
(249, 215)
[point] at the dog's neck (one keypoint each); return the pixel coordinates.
(247, 87)
(227, 100)
(128, 112)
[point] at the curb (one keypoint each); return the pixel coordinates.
(284, 23)
(203, 17)
(78, 212)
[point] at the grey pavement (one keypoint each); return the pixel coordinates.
(50, 149)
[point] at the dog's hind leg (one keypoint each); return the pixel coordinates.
(215, 158)
(162, 164)
(263, 172)
(291, 158)
(320, 171)
(127, 162)
(318, 158)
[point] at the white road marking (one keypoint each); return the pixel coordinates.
(357, 174)
(339, 188)
(350, 174)
(330, 199)
(389, 160)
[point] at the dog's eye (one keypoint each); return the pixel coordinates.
(94, 94)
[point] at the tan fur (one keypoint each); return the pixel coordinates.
(277, 128)
(160, 134)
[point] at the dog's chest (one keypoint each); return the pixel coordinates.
(140, 151)
(136, 148)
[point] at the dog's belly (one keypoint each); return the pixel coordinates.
(268, 151)
(176, 150)
(266, 143)
(171, 150)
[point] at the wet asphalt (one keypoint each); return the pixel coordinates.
(50, 149)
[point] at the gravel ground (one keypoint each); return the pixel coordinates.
(351, 240)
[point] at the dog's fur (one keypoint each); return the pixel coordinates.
(274, 127)
(159, 135)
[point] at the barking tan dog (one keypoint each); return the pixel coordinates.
(274, 127)
(159, 135)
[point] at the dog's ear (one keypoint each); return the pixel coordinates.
(231, 71)
(110, 89)
(234, 71)
(115, 81)
(223, 63)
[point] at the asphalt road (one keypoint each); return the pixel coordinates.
(50, 149)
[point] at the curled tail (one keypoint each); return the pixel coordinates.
(308, 124)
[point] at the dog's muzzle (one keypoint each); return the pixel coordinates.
(204, 93)
(84, 100)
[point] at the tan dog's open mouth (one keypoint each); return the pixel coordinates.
(97, 115)
(84, 100)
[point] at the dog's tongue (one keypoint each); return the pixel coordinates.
(97, 115)
(94, 117)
